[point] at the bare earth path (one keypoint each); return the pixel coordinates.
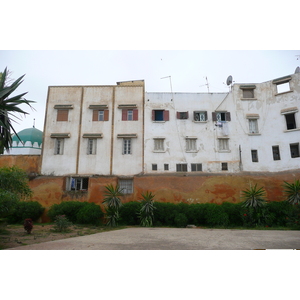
(175, 239)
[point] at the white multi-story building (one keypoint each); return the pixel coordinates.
(120, 130)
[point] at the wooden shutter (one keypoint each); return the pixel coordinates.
(124, 114)
(227, 116)
(153, 115)
(166, 115)
(187, 115)
(214, 116)
(135, 114)
(106, 113)
(62, 115)
(95, 115)
(205, 115)
(178, 115)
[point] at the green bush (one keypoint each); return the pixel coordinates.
(180, 220)
(282, 211)
(8, 202)
(61, 223)
(196, 214)
(128, 213)
(26, 210)
(164, 214)
(257, 216)
(215, 215)
(67, 208)
(90, 213)
(234, 213)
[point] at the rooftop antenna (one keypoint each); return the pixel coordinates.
(206, 84)
(229, 81)
(33, 123)
(170, 84)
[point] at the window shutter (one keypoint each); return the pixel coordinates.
(178, 115)
(166, 115)
(214, 116)
(205, 115)
(62, 115)
(106, 111)
(124, 114)
(153, 115)
(227, 116)
(187, 114)
(95, 115)
(135, 114)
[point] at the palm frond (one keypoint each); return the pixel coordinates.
(292, 192)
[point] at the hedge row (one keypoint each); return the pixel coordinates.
(215, 215)
(78, 212)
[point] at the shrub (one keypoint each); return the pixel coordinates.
(62, 223)
(257, 217)
(234, 213)
(164, 214)
(180, 220)
(281, 210)
(146, 213)
(90, 213)
(67, 208)
(196, 214)
(8, 202)
(215, 215)
(128, 213)
(26, 210)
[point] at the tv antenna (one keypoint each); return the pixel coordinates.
(229, 81)
(170, 84)
(206, 84)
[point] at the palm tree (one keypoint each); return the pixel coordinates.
(254, 197)
(113, 203)
(292, 192)
(146, 213)
(8, 107)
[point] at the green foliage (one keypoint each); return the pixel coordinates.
(14, 180)
(112, 202)
(180, 220)
(9, 106)
(146, 213)
(26, 210)
(234, 213)
(90, 213)
(215, 215)
(129, 213)
(281, 212)
(67, 208)
(254, 197)
(62, 223)
(292, 192)
(8, 201)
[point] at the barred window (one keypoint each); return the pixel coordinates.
(126, 185)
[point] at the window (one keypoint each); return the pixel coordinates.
(283, 87)
(166, 167)
(190, 144)
(126, 146)
(181, 167)
(224, 166)
(154, 167)
(182, 115)
(160, 115)
(223, 144)
(92, 144)
(196, 167)
(282, 84)
(254, 155)
(100, 115)
(62, 115)
(126, 185)
(290, 121)
(78, 184)
(59, 146)
(294, 150)
(276, 153)
(159, 145)
(221, 116)
(129, 114)
(248, 93)
(253, 127)
(200, 116)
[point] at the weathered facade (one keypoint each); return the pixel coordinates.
(184, 147)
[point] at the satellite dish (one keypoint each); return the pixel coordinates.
(229, 80)
(297, 70)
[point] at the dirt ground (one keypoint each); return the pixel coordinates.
(12, 236)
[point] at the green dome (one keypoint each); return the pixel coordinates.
(30, 134)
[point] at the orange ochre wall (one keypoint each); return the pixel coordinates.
(175, 188)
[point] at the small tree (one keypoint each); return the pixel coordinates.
(146, 213)
(113, 203)
(13, 187)
(292, 192)
(254, 197)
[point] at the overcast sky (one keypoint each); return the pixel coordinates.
(188, 70)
